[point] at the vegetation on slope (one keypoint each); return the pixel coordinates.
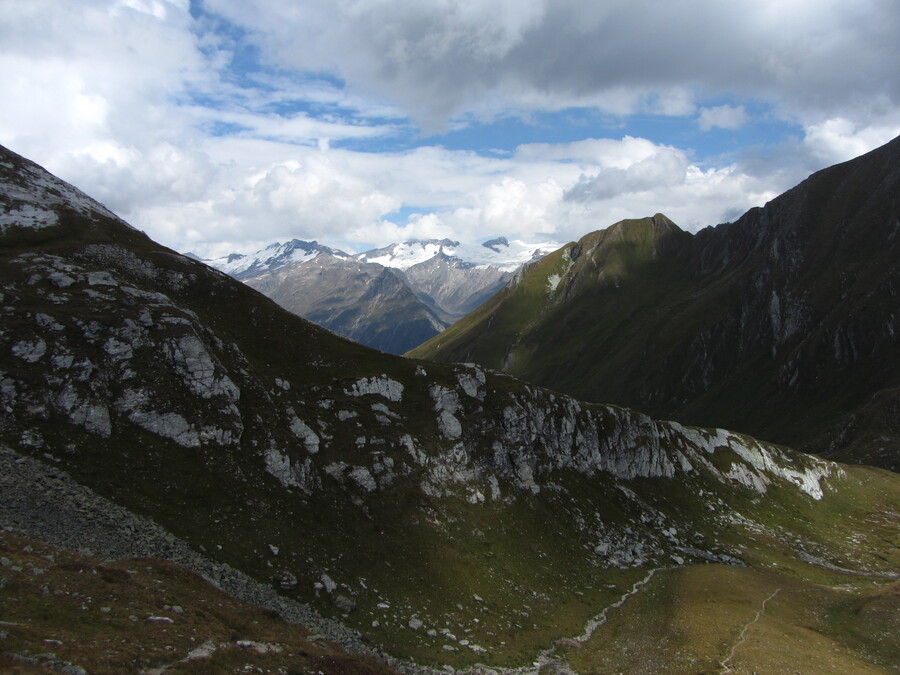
(66, 610)
(450, 515)
(782, 324)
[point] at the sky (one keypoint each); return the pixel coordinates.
(224, 125)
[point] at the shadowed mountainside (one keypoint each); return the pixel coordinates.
(783, 324)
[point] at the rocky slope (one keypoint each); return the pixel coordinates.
(456, 287)
(392, 298)
(144, 615)
(368, 303)
(447, 514)
(782, 324)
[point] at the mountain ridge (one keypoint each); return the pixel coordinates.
(790, 309)
(297, 457)
(425, 286)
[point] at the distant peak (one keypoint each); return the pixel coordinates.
(434, 242)
(661, 220)
(299, 243)
(657, 224)
(495, 244)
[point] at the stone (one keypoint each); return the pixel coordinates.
(168, 425)
(287, 581)
(472, 381)
(327, 583)
(302, 431)
(30, 352)
(302, 475)
(445, 399)
(363, 478)
(380, 386)
(449, 425)
(344, 603)
(190, 357)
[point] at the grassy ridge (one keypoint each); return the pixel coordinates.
(781, 324)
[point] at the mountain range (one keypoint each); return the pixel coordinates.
(782, 324)
(392, 298)
(400, 514)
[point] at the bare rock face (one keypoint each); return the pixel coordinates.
(368, 303)
(379, 386)
(457, 287)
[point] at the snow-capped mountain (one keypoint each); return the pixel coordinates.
(272, 258)
(369, 303)
(432, 283)
(500, 253)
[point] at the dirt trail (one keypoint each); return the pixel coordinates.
(600, 619)
(725, 663)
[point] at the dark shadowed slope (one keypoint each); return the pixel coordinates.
(783, 324)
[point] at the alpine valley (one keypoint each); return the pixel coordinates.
(168, 433)
(392, 298)
(783, 324)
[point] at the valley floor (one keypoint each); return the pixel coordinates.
(66, 612)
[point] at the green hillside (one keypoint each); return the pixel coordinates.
(782, 324)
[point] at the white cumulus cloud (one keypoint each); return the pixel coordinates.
(229, 123)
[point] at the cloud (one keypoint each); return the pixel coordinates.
(839, 139)
(723, 117)
(91, 85)
(441, 59)
(351, 200)
(224, 124)
(663, 168)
